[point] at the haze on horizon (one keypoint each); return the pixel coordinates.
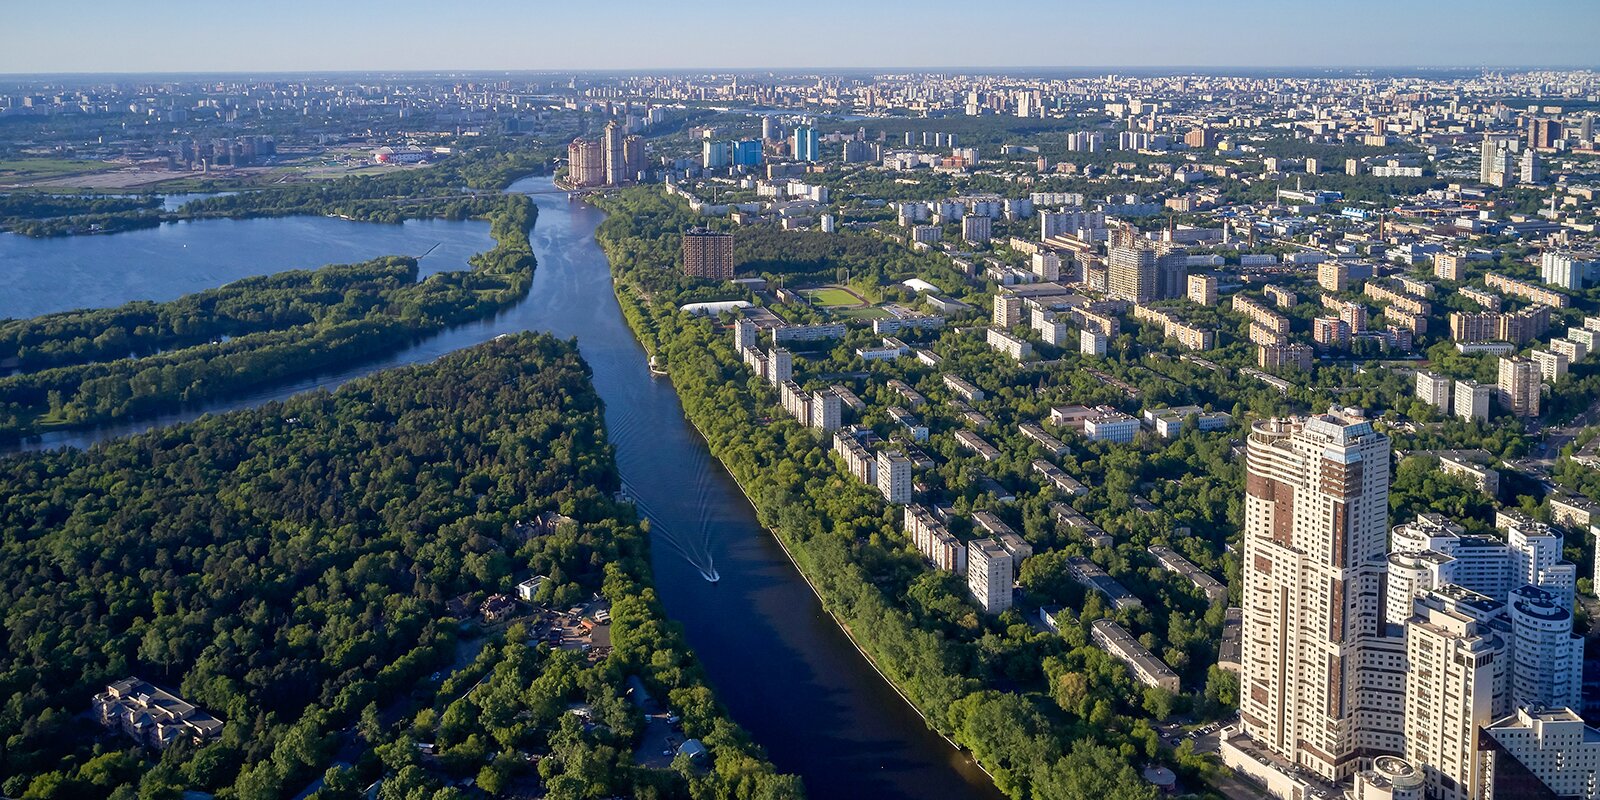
(103, 36)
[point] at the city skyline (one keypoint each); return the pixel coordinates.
(500, 36)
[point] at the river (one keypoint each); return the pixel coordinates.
(783, 667)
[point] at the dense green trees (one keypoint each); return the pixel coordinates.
(287, 569)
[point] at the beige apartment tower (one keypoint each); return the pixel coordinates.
(1131, 273)
(1315, 541)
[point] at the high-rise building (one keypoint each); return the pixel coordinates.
(633, 156)
(1569, 270)
(1519, 385)
(1314, 545)
(894, 476)
(1529, 170)
(1093, 343)
(1172, 273)
(1496, 158)
(826, 410)
(716, 154)
(989, 574)
(1543, 133)
(1007, 310)
(975, 228)
(1472, 400)
(1535, 556)
(1540, 753)
(586, 163)
(744, 335)
(747, 153)
(1434, 390)
(769, 129)
(806, 144)
(1333, 276)
(708, 254)
(1547, 657)
(1456, 671)
(1203, 289)
(616, 155)
(1330, 332)
(1131, 273)
(780, 365)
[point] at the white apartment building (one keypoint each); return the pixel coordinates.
(1092, 343)
(1472, 400)
(894, 476)
(1455, 684)
(744, 335)
(989, 570)
(1434, 390)
(1547, 658)
(826, 410)
(1017, 349)
(1553, 744)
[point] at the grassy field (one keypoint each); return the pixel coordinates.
(27, 169)
(832, 297)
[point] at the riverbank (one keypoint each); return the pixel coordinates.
(634, 313)
(984, 682)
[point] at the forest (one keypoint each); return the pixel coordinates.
(288, 569)
(88, 366)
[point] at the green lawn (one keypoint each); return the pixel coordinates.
(831, 297)
(34, 168)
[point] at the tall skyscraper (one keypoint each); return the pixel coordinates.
(1548, 658)
(633, 156)
(616, 156)
(1315, 540)
(716, 154)
(1456, 658)
(586, 163)
(708, 254)
(806, 145)
(1131, 273)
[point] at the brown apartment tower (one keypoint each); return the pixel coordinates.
(708, 254)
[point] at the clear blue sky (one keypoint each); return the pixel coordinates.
(292, 35)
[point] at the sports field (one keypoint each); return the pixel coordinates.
(833, 297)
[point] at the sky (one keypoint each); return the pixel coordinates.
(49, 36)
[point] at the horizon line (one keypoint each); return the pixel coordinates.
(799, 70)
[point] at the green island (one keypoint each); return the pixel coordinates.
(73, 368)
(334, 580)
